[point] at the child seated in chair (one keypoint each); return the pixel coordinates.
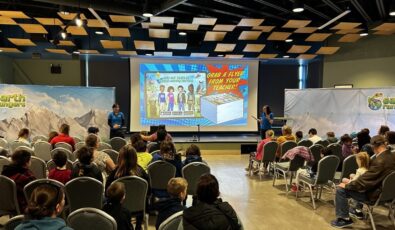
(192, 155)
(258, 155)
(60, 173)
(85, 165)
(363, 166)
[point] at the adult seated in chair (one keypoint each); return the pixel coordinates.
(330, 136)
(313, 137)
(20, 173)
(367, 186)
(101, 159)
(258, 155)
(286, 136)
(85, 165)
(24, 136)
(299, 136)
(63, 136)
(45, 204)
(154, 137)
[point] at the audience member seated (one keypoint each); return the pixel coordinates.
(383, 129)
(286, 136)
(168, 153)
(51, 135)
(101, 159)
(127, 166)
(207, 210)
(330, 136)
(93, 130)
(365, 187)
(63, 136)
(347, 148)
(135, 137)
(45, 204)
(60, 173)
(299, 136)
(362, 159)
(114, 206)
(390, 136)
(192, 155)
(24, 136)
(177, 189)
(143, 157)
(20, 173)
(258, 155)
(154, 137)
(363, 141)
(161, 137)
(4, 152)
(85, 165)
(313, 137)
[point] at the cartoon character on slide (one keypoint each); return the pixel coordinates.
(170, 98)
(181, 98)
(199, 93)
(162, 98)
(191, 97)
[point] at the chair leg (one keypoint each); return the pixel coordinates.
(274, 176)
(322, 187)
(370, 211)
(312, 195)
(286, 183)
(146, 220)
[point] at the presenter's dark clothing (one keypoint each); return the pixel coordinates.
(116, 119)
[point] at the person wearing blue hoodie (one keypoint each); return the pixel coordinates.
(45, 204)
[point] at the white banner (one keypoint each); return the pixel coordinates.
(340, 110)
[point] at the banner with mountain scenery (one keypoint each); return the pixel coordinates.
(44, 108)
(340, 110)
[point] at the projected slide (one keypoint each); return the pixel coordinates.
(194, 94)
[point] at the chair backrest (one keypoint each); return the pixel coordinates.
(149, 145)
(326, 169)
(15, 144)
(64, 145)
(42, 150)
(160, 172)
(14, 222)
(78, 145)
(39, 138)
(136, 193)
(192, 172)
(336, 150)
(4, 143)
(91, 218)
(113, 154)
(296, 163)
(349, 166)
(84, 192)
(77, 139)
(38, 167)
(104, 145)
(51, 165)
(270, 150)
(8, 200)
(28, 189)
(117, 143)
(4, 161)
(388, 188)
(316, 152)
(26, 148)
(155, 152)
(324, 143)
(69, 154)
(305, 143)
(172, 222)
(287, 146)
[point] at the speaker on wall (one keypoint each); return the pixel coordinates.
(56, 69)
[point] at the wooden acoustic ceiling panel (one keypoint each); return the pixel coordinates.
(306, 56)
(75, 30)
(109, 44)
(151, 25)
(214, 36)
(187, 26)
(122, 18)
(278, 36)
(199, 54)
(70, 16)
(144, 45)
(33, 28)
(49, 21)
(384, 32)
(350, 38)
(224, 47)
(57, 51)
(163, 53)
(234, 56)
(265, 29)
(177, 46)
(385, 27)
(318, 37)
(88, 51)
(119, 32)
(94, 23)
(204, 21)
(66, 43)
(250, 35)
(9, 50)
(255, 48)
(164, 20)
(305, 30)
(7, 21)
(267, 56)
(127, 52)
(296, 23)
(327, 50)
(14, 14)
(250, 22)
(298, 49)
(21, 42)
(349, 31)
(159, 33)
(222, 27)
(346, 26)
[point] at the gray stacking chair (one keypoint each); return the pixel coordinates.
(40, 138)
(336, 150)
(149, 145)
(305, 143)
(155, 152)
(77, 139)
(8, 201)
(104, 145)
(160, 172)
(316, 152)
(387, 195)
(285, 168)
(325, 175)
(287, 146)
(29, 188)
(172, 222)
(26, 148)
(4, 143)
(324, 143)
(64, 145)
(15, 144)
(136, 195)
(4, 161)
(91, 218)
(84, 192)
(38, 167)
(52, 165)
(349, 166)
(192, 172)
(78, 145)
(14, 222)
(113, 154)
(42, 150)
(269, 156)
(117, 143)
(69, 154)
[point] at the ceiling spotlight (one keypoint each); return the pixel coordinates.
(182, 33)
(285, 56)
(298, 6)
(78, 21)
(1, 50)
(289, 40)
(64, 12)
(76, 52)
(148, 54)
(392, 9)
(364, 34)
(220, 55)
(63, 34)
(147, 14)
(99, 32)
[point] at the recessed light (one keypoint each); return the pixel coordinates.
(285, 56)
(298, 6)
(220, 55)
(99, 32)
(289, 40)
(182, 33)
(64, 12)
(78, 21)
(148, 15)
(298, 10)
(148, 54)
(1, 50)
(392, 13)
(76, 52)
(364, 34)
(63, 34)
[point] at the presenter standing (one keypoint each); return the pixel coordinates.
(116, 120)
(266, 120)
